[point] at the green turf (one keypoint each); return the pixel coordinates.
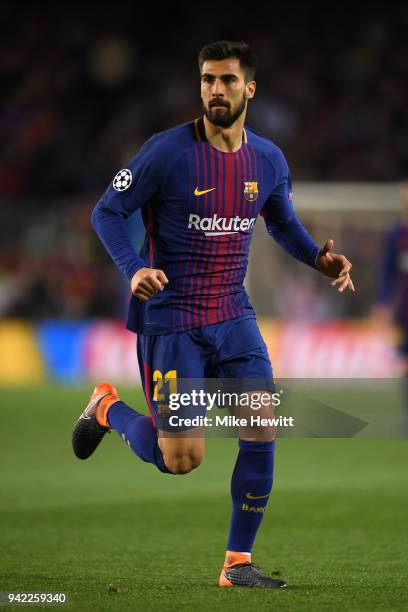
(336, 527)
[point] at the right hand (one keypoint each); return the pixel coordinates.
(335, 266)
(147, 281)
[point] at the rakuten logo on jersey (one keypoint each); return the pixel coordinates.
(220, 226)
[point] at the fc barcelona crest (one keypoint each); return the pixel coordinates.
(250, 191)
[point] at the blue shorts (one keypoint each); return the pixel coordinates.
(232, 349)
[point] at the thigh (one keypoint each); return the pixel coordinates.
(244, 361)
(242, 352)
(164, 361)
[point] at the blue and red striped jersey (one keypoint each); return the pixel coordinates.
(199, 208)
(393, 287)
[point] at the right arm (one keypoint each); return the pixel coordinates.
(139, 184)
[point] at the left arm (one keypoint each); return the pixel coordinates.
(286, 229)
(283, 225)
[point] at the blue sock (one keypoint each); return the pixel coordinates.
(251, 484)
(138, 431)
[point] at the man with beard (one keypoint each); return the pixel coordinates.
(201, 186)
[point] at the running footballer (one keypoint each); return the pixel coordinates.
(201, 186)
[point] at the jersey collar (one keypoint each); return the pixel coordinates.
(200, 131)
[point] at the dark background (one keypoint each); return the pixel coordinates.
(83, 87)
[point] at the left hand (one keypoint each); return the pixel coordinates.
(335, 266)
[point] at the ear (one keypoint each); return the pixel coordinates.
(250, 88)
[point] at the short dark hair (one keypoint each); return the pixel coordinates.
(229, 48)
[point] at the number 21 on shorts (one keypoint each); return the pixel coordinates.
(159, 380)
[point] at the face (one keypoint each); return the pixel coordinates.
(224, 93)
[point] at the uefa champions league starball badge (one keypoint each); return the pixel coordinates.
(122, 180)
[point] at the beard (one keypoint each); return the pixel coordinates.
(219, 116)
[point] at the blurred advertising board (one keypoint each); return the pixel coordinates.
(71, 352)
(333, 349)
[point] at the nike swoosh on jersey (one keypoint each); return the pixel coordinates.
(250, 496)
(197, 192)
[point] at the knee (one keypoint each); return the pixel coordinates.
(182, 463)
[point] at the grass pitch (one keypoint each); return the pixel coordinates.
(118, 535)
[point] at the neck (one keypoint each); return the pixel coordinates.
(227, 140)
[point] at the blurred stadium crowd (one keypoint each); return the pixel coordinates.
(84, 87)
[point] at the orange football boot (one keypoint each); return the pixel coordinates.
(239, 570)
(92, 425)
